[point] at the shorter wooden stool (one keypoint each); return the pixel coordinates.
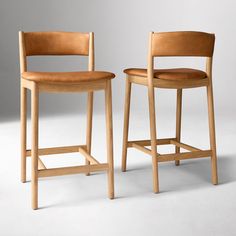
(197, 44)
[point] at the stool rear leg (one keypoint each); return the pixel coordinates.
(178, 121)
(23, 118)
(126, 123)
(152, 115)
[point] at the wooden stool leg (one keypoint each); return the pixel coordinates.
(152, 118)
(178, 121)
(23, 118)
(34, 156)
(126, 123)
(109, 134)
(211, 117)
(89, 125)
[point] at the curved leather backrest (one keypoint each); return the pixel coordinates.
(56, 43)
(183, 43)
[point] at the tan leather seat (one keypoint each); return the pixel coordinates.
(67, 77)
(169, 74)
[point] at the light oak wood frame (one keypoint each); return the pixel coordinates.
(141, 145)
(38, 169)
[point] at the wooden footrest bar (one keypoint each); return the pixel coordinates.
(142, 148)
(185, 146)
(183, 156)
(72, 170)
(148, 142)
(57, 150)
(91, 159)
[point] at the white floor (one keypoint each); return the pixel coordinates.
(188, 203)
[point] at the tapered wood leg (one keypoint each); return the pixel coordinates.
(23, 118)
(126, 123)
(178, 121)
(89, 125)
(214, 175)
(152, 115)
(109, 134)
(34, 161)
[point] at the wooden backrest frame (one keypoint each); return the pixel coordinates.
(70, 49)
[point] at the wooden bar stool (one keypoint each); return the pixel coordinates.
(197, 44)
(62, 43)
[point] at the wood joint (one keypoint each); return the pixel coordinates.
(41, 164)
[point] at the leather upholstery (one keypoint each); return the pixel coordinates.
(183, 43)
(56, 43)
(169, 74)
(67, 77)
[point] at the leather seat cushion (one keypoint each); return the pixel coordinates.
(67, 77)
(169, 74)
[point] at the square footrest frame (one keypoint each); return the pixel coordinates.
(193, 152)
(45, 172)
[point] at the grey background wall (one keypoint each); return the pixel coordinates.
(121, 30)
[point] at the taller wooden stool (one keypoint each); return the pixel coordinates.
(197, 44)
(62, 43)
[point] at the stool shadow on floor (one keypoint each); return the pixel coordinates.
(200, 168)
(191, 174)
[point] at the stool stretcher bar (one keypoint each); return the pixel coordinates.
(141, 148)
(183, 156)
(185, 146)
(57, 150)
(91, 159)
(148, 142)
(72, 170)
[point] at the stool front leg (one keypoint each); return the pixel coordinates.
(89, 125)
(34, 155)
(109, 137)
(214, 175)
(152, 117)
